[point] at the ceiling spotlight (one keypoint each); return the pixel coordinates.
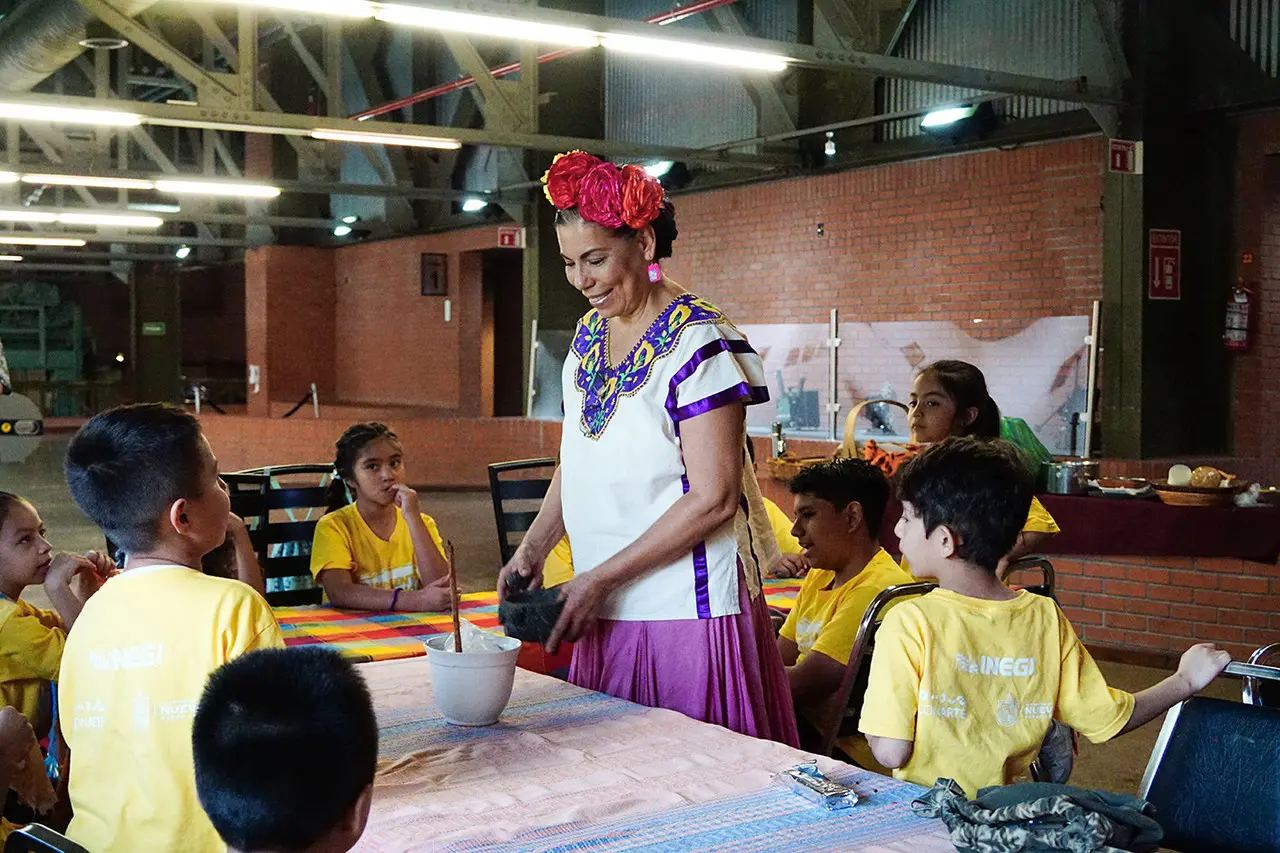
(99, 36)
(959, 123)
(829, 147)
(474, 205)
(659, 168)
(119, 358)
(350, 220)
(341, 230)
(183, 253)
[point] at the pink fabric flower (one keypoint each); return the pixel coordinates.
(600, 196)
(561, 182)
(641, 197)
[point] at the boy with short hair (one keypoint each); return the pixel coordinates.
(838, 506)
(286, 745)
(143, 646)
(965, 680)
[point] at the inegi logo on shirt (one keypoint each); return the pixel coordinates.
(986, 665)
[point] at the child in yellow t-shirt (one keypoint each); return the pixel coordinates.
(966, 680)
(31, 639)
(839, 506)
(380, 552)
(133, 668)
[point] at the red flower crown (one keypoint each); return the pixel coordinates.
(602, 192)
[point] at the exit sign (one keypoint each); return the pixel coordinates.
(510, 237)
(153, 330)
(1125, 156)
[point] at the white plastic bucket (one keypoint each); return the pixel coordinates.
(472, 688)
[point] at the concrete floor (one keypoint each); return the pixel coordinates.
(466, 518)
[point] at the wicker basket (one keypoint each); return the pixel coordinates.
(848, 445)
(1196, 495)
(785, 467)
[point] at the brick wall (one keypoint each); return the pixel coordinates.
(393, 344)
(1008, 236)
(1257, 372)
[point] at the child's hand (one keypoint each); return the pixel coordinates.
(103, 566)
(433, 596)
(1200, 664)
(790, 566)
(64, 568)
(407, 500)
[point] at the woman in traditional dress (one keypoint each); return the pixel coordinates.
(669, 536)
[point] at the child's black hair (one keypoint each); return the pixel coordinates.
(978, 488)
(966, 385)
(7, 501)
(284, 742)
(349, 447)
(841, 482)
(127, 466)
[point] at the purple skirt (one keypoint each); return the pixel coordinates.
(724, 671)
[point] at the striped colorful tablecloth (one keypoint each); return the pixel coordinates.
(365, 636)
(567, 769)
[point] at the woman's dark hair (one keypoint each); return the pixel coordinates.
(664, 228)
(966, 385)
(7, 500)
(353, 441)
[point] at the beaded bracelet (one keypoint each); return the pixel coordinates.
(394, 595)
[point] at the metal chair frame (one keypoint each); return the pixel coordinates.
(503, 490)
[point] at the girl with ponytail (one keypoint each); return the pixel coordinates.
(951, 398)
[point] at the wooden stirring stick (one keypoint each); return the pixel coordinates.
(453, 599)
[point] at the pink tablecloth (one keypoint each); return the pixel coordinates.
(567, 768)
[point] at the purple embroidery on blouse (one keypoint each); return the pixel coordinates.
(603, 386)
(750, 394)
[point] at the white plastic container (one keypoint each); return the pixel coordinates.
(472, 688)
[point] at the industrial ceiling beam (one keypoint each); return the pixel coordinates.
(24, 267)
(138, 239)
(807, 56)
(295, 125)
(187, 215)
(82, 255)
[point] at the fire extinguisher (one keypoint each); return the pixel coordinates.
(1239, 314)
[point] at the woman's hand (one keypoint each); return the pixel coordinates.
(583, 597)
(525, 568)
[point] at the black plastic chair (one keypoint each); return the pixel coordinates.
(846, 703)
(1212, 779)
(36, 838)
(517, 489)
(1263, 691)
(281, 538)
(1048, 582)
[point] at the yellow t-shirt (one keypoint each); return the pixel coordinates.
(782, 524)
(31, 643)
(132, 674)
(344, 541)
(558, 567)
(974, 683)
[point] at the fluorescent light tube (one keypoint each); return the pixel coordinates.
(386, 139)
(687, 51)
(217, 188)
(20, 240)
(8, 177)
(115, 220)
(487, 25)
(11, 259)
(342, 8)
(86, 181)
(25, 215)
(69, 115)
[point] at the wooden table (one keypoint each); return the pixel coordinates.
(570, 769)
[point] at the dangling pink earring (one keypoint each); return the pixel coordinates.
(655, 272)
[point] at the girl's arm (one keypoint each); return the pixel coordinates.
(430, 562)
(541, 537)
(712, 449)
(57, 585)
(344, 592)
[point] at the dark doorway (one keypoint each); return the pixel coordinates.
(503, 277)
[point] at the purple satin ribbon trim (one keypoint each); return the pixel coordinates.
(701, 584)
(742, 392)
(704, 352)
